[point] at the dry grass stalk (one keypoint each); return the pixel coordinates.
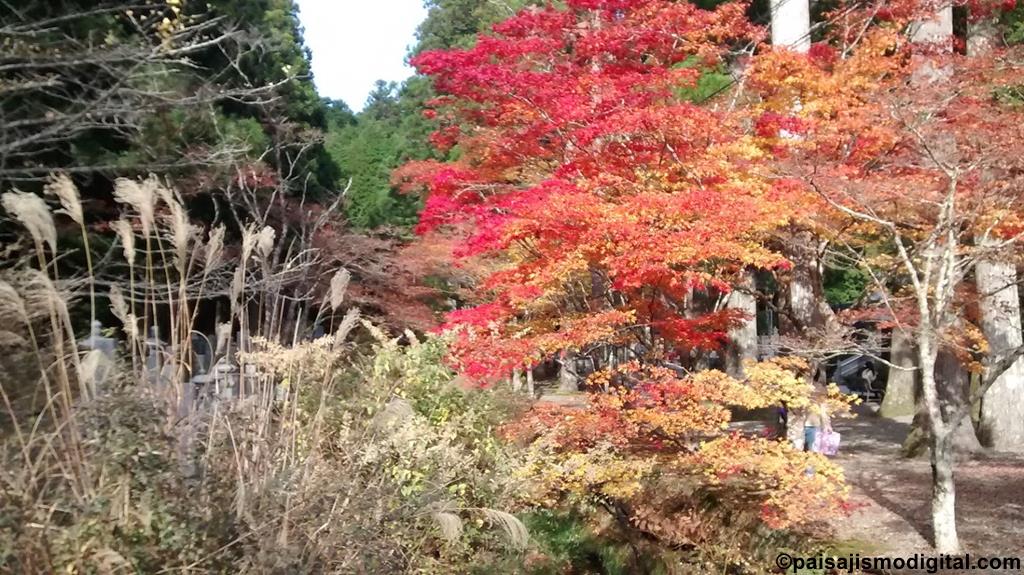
(66, 191)
(177, 223)
(450, 525)
(514, 529)
(31, 211)
(214, 250)
(61, 186)
(127, 236)
(140, 197)
(348, 323)
(238, 283)
(11, 302)
(93, 364)
(249, 238)
(339, 285)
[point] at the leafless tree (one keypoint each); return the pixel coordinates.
(73, 75)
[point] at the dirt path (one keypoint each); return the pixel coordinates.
(893, 494)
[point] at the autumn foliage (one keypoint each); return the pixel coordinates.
(604, 198)
(899, 139)
(665, 425)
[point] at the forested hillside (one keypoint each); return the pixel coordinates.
(606, 286)
(391, 129)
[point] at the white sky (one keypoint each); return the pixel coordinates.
(357, 42)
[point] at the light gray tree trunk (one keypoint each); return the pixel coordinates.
(943, 486)
(568, 381)
(805, 293)
(944, 496)
(791, 24)
(791, 28)
(952, 382)
(899, 400)
(982, 36)
(1002, 406)
(938, 30)
(805, 289)
(743, 339)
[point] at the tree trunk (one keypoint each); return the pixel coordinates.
(568, 381)
(943, 486)
(805, 294)
(982, 36)
(944, 496)
(937, 29)
(803, 285)
(1002, 407)
(791, 24)
(529, 383)
(953, 383)
(742, 339)
(900, 387)
(791, 28)
(952, 389)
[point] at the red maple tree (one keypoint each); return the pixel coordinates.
(604, 199)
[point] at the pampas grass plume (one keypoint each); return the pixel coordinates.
(61, 186)
(31, 211)
(127, 236)
(339, 285)
(141, 197)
